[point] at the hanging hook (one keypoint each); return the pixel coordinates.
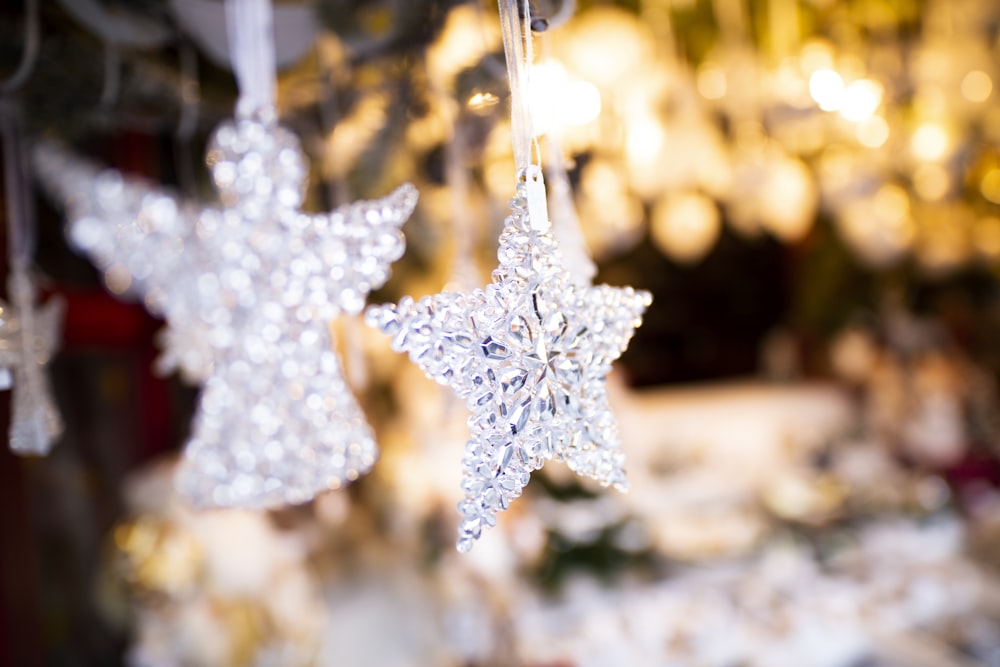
(541, 22)
(537, 23)
(29, 53)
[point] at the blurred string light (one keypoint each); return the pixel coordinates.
(789, 200)
(467, 36)
(559, 101)
(610, 218)
(872, 132)
(986, 237)
(856, 101)
(685, 226)
(930, 142)
(864, 130)
(880, 228)
(481, 102)
(712, 82)
(989, 186)
(644, 140)
(931, 182)
(977, 86)
(861, 99)
(944, 239)
(827, 88)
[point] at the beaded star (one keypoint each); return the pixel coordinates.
(248, 291)
(29, 336)
(529, 354)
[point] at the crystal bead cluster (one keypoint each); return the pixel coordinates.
(529, 354)
(29, 336)
(248, 291)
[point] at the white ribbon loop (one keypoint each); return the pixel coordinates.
(250, 24)
(518, 51)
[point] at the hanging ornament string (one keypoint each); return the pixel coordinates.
(29, 53)
(21, 234)
(516, 29)
(250, 29)
(518, 51)
(20, 205)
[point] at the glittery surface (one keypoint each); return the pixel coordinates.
(529, 354)
(29, 336)
(248, 291)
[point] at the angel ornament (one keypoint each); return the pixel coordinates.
(29, 337)
(248, 290)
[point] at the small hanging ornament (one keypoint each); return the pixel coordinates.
(248, 291)
(530, 352)
(29, 334)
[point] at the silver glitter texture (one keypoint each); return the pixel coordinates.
(529, 354)
(248, 291)
(29, 336)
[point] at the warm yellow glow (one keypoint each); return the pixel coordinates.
(990, 185)
(498, 161)
(930, 142)
(352, 135)
(986, 237)
(463, 41)
(580, 104)
(608, 45)
(977, 86)
(481, 102)
(711, 81)
(789, 200)
(931, 182)
(556, 101)
(827, 88)
(861, 99)
(879, 228)
(789, 83)
(872, 132)
(643, 141)
(547, 81)
(816, 55)
(837, 165)
(685, 226)
(946, 236)
(548, 74)
(891, 205)
(610, 216)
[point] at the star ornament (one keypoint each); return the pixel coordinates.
(248, 290)
(529, 354)
(29, 337)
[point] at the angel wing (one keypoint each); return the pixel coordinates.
(131, 229)
(353, 246)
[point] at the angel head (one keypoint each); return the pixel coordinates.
(257, 164)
